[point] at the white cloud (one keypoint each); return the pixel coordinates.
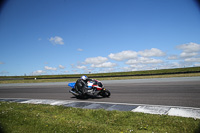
(95, 60)
(197, 65)
(56, 40)
(38, 72)
(143, 60)
(173, 57)
(61, 67)
(73, 66)
(170, 65)
(50, 68)
(148, 59)
(190, 47)
(65, 71)
(174, 64)
(152, 52)
(126, 69)
(105, 64)
(133, 67)
(192, 59)
(81, 67)
(79, 49)
(107, 70)
(189, 50)
(137, 66)
(123, 55)
(188, 54)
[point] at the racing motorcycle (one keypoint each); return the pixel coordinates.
(95, 88)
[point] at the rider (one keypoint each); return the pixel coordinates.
(81, 84)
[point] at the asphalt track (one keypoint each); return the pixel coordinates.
(166, 91)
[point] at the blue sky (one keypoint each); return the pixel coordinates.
(42, 37)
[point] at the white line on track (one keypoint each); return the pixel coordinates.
(144, 108)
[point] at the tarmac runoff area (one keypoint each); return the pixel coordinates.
(151, 109)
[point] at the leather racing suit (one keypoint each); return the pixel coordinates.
(81, 85)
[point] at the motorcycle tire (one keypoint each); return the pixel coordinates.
(106, 93)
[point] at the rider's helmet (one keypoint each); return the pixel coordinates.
(84, 77)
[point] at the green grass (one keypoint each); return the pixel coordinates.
(161, 71)
(104, 78)
(30, 118)
(164, 73)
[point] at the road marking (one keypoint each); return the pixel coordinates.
(161, 110)
(151, 109)
(193, 113)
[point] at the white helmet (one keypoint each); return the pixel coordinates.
(84, 77)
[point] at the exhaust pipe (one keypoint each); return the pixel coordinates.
(73, 92)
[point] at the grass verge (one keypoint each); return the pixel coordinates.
(104, 78)
(16, 117)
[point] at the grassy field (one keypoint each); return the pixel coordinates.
(164, 73)
(104, 78)
(30, 118)
(18, 118)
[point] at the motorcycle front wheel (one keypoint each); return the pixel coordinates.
(105, 93)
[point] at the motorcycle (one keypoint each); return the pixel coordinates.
(95, 89)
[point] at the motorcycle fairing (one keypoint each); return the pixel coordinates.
(72, 85)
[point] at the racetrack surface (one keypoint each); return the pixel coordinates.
(167, 91)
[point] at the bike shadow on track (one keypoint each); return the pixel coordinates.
(86, 98)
